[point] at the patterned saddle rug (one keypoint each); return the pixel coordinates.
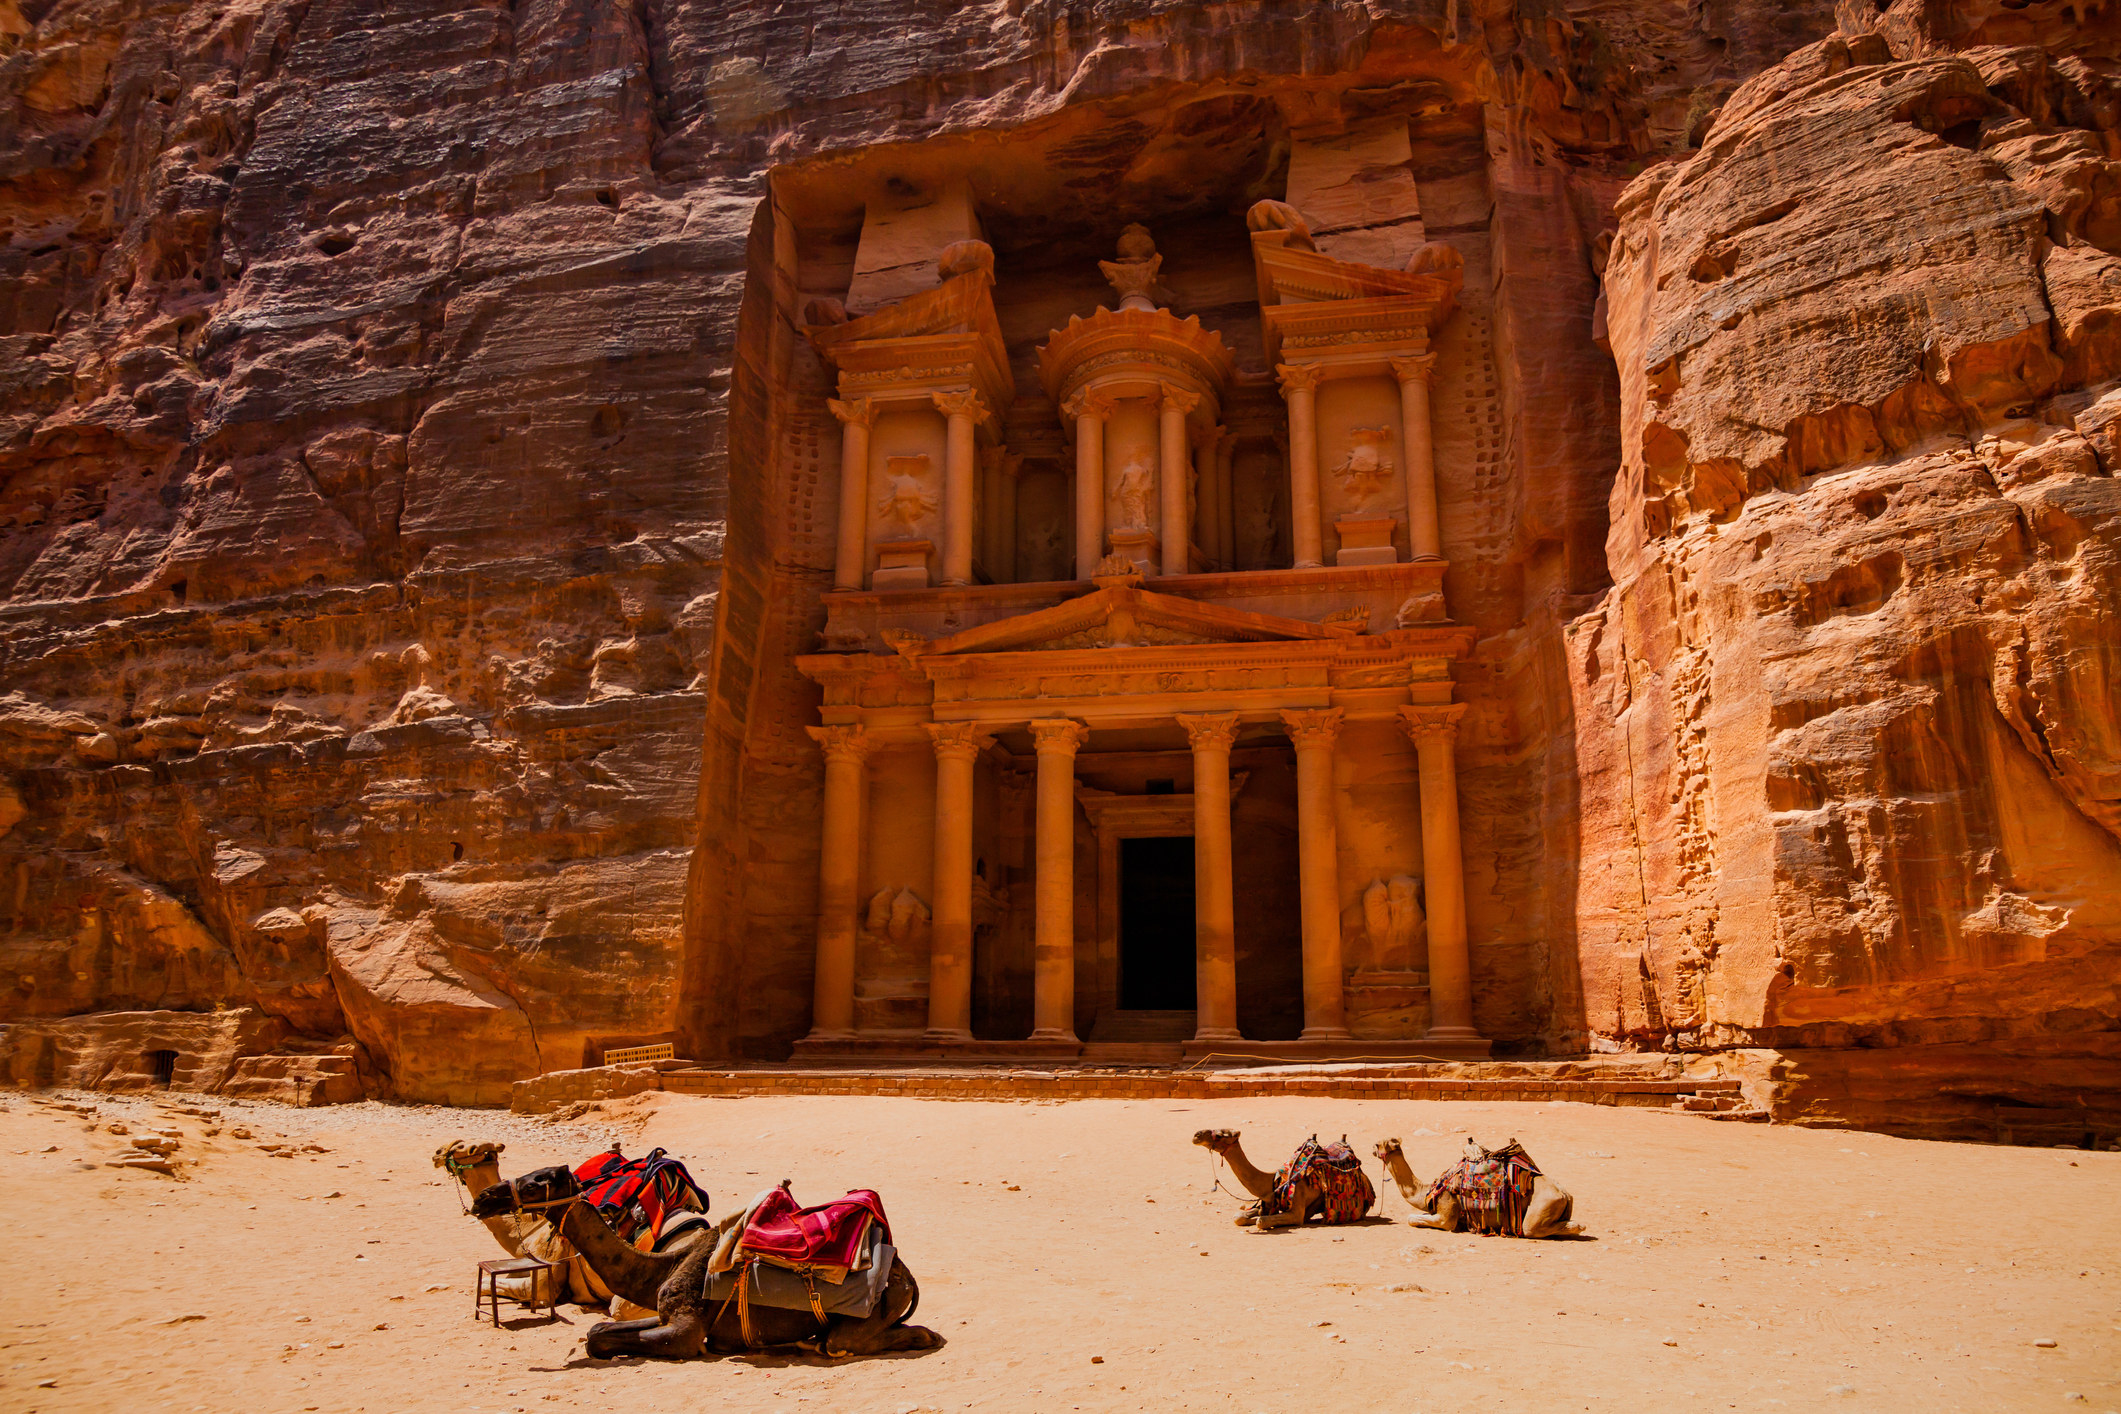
(1493, 1190)
(1345, 1194)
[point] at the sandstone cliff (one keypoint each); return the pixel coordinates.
(401, 565)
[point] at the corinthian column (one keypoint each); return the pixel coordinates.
(1435, 734)
(957, 749)
(1318, 871)
(1418, 454)
(1214, 909)
(857, 416)
(1176, 531)
(839, 879)
(1053, 935)
(1088, 411)
(1299, 384)
(966, 412)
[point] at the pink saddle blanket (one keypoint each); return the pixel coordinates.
(828, 1238)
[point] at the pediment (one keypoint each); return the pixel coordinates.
(1121, 616)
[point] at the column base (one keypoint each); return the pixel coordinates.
(943, 1036)
(818, 1034)
(1350, 1049)
(1324, 1033)
(1056, 1033)
(1215, 1033)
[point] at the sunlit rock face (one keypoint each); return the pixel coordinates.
(1846, 721)
(417, 488)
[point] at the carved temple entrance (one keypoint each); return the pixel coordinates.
(1008, 764)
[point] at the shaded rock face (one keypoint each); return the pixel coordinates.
(1847, 722)
(414, 486)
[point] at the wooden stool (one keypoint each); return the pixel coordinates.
(487, 1289)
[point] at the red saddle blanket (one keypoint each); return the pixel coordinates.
(827, 1239)
(639, 1197)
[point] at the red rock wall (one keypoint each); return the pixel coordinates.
(1850, 764)
(404, 438)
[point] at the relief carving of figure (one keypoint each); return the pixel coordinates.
(1368, 466)
(906, 500)
(1392, 915)
(1137, 493)
(895, 915)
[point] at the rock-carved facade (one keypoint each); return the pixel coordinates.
(992, 741)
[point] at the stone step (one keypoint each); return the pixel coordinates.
(1149, 1053)
(1143, 1026)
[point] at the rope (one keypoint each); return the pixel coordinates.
(1215, 1179)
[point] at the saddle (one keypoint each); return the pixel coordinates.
(1345, 1194)
(642, 1200)
(1493, 1190)
(832, 1259)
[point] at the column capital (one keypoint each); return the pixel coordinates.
(1432, 723)
(1087, 402)
(845, 743)
(1313, 726)
(1058, 736)
(1413, 368)
(1176, 397)
(963, 740)
(859, 411)
(1299, 377)
(1215, 731)
(961, 402)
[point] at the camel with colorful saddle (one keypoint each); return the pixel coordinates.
(825, 1278)
(1322, 1181)
(1497, 1191)
(652, 1199)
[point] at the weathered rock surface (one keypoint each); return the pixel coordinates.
(403, 542)
(1847, 721)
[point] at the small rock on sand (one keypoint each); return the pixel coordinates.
(2045, 1343)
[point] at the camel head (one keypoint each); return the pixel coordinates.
(1388, 1150)
(459, 1157)
(538, 1189)
(1220, 1141)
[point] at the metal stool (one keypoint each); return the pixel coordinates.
(487, 1289)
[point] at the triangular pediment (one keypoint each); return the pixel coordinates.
(1117, 616)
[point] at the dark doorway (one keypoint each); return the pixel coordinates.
(1156, 924)
(162, 1065)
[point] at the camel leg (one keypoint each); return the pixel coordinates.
(1300, 1203)
(1444, 1218)
(682, 1338)
(881, 1332)
(1248, 1215)
(1549, 1212)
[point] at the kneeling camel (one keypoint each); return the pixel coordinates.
(1447, 1204)
(674, 1285)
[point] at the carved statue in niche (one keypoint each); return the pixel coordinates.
(907, 500)
(898, 916)
(1392, 915)
(1420, 608)
(1364, 472)
(1133, 275)
(1137, 493)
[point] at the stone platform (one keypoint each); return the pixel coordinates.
(1386, 1081)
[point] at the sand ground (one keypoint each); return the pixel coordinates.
(1730, 1266)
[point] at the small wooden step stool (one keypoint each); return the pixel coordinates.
(487, 1289)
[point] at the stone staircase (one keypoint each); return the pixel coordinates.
(1147, 1038)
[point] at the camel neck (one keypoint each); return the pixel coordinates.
(1255, 1182)
(637, 1276)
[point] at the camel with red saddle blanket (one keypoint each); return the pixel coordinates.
(475, 1166)
(824, 1278)
(1489, 1191)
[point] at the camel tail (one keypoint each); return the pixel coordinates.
(913, 1302)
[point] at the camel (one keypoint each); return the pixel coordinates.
(475, 1165)
(1546, 1212)
(674, 1285)
(1308, 1198)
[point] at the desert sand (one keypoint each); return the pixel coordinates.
(1076, 1257)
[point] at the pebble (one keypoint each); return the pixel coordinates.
(1840, 1389)
(180, 1320)
(334, 1345)
(1097, 1359)
(1671, 1342)
(2045, 1343)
